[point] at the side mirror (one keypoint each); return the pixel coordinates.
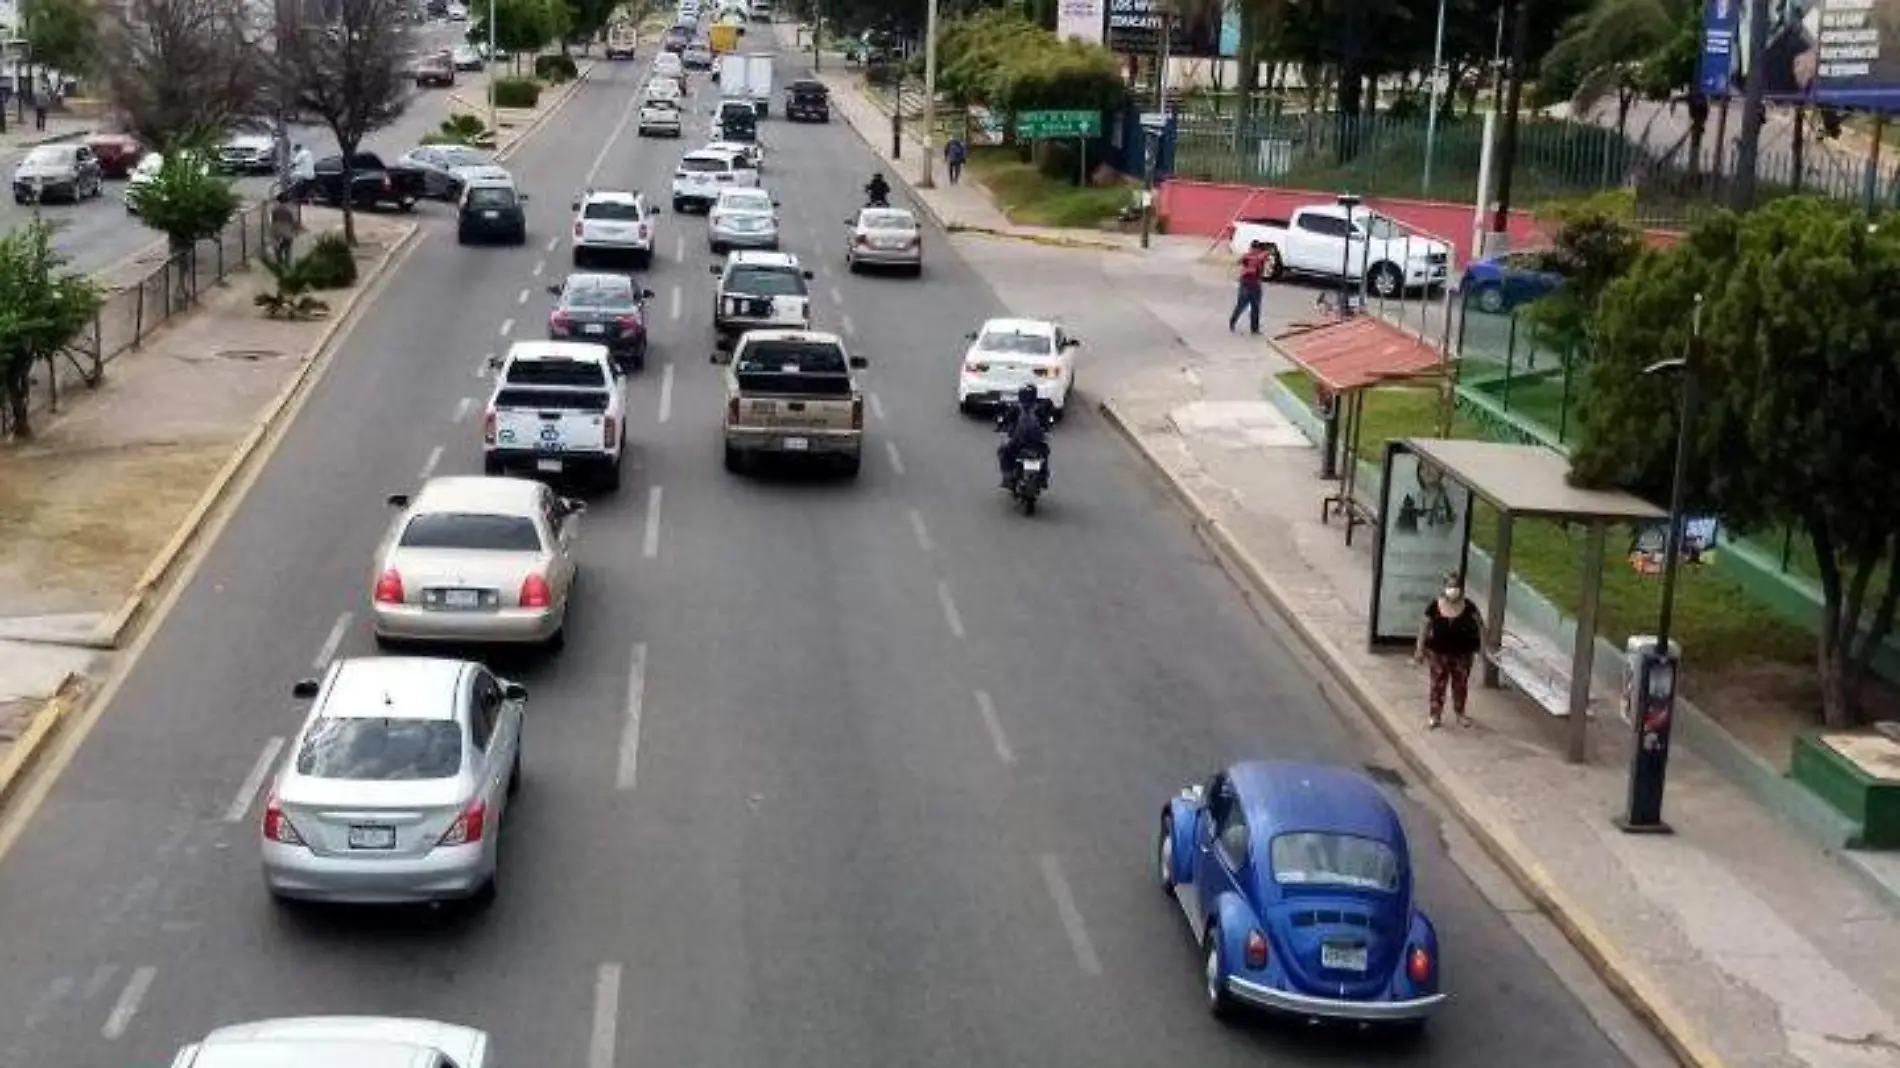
(859, 363)
(971, 336)
(523, 197)
(554, 288)
(851, 222)
(575, 206)
(807, 275)
(572, 506)
(724, 344)
(653, 209)
(716, 268)
(514, 691)
(1072, 343)
(775, 203)
(397, 500)
(494, 363)
(304, 689)
(646, 294)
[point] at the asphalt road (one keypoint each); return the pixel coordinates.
(831, 851)
(98, 234)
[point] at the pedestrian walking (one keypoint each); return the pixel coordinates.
(1253, 265)
(955, 152)
(283, 229)
(39, 112)
(1448, 641)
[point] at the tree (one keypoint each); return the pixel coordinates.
(345, 67)
(1602, 53)
(1594, 242)
(62, 34)
(1798, 377)
(43, 307)
(188, 201)
(176, 66)
(521, 26)
(586, 18)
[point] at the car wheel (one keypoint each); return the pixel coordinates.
(611, 480)
(1214, 977)
(387, 643)
(1164, 854)
(1387, 282)
(718, 248)
(1490, 299)
(678, 205)
(851, 265)
(735, 460)
(491, 465)
(580, 257)
(851, 465)
(1271, 268)
(558, 640)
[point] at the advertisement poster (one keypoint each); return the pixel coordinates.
(1700, 536)
(1424, 529)
(1083, 20)
(1831, 52)
(1134, 28)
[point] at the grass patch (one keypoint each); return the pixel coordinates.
(1717, 621)
(1027, 196)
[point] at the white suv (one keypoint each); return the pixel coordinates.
(613, 222)
(703, 175)
(659, 115)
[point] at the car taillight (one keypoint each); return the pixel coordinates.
(389, 588)
(627, 322)
(1256, 950)
(863, 241)
(387, 184)
(643, 231)
(857, 413)
(977, 367)
(577, 231)
(609, 431)
(468, 827)
(1418, 965)
(732, 410)
(534, 592)
(277, 827)
(560, 321)
(488, 427)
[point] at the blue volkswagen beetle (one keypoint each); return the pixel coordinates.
(1297, 883)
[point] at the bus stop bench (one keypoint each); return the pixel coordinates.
(1353, 505)
(1540, 673)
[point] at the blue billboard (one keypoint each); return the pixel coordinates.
(1826, 52)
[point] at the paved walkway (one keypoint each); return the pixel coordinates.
(1741, 940)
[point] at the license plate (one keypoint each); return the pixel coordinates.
(550, 466)
(1342, 958)
(759, 308)
(462, 598)
(372, 837)
(593, 328)
(1032, 465)
(796, 444)
(491, 214)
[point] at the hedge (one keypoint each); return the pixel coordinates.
(555, 69)
(517, 93)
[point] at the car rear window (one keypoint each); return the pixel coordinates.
(887, 220)
(766, 282)
(611, 210)
(381, 750)
(795, 385)
(473, 531)
(1011, 342)
(800, 357)
(556, 373)
(596, 295)
(491, 197)
(703, 165)
(565, 400)
(1314, 859)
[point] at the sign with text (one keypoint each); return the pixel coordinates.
(1134, 28)
(1050, 125)
(1830, 52)
(1424, 532)
(1081, 20)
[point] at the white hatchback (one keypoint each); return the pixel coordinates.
(1008, 354)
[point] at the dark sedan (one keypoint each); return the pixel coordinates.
(445, 167)
(492, 211)
(1500, 283)
(606, 309)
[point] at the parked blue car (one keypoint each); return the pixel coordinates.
(1499, 283)
(1297, 883)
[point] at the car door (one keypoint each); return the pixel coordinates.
(1317, 242)
(1226, 858)
(496, 745)
(560, 525)
(1218, 805)
(1065, 355)
(87, 165)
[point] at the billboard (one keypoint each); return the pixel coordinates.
(1083, 20)
(1830, 52)
(1134, 28)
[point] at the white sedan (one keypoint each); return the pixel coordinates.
(1008, 354)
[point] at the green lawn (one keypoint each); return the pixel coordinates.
(1032, 198)
(1717, 621)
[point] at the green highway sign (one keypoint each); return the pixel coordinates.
(1049, 125)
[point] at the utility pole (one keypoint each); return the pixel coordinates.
(817, 35)
(1507, 155)
(1438, 87)
(488, 70)
(1748, 145)
(925, 180)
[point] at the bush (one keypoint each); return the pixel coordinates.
(555, 69)
(458, 130)
(329, 264)
(517, 93)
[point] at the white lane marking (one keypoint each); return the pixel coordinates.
(331, 641)
(522, 298)
(539, 266)
(507, 327)
(97, 984)
(633, 105)
(849, 326)
(650, 543)
(877, 406)
(679, 248)
(253, 782)
(467, 404)
(600, 1041)
(897, 460)
(836, 296)
(949, 609)
(128, 1004)
(428, 466)
(554, 242)
(673, 310)
(825, 270)
(987, 709)
(922, 532)
(1058, 885)
(666, 393)
(629, 767)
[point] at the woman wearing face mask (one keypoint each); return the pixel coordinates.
(1449, 640)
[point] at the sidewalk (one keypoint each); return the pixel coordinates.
(1737, 939)
(21, 136)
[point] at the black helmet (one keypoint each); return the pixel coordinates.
(1027, 396)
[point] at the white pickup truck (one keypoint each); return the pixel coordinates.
(559, 408)
(1316, 240)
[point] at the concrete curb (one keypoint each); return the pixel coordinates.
(1622, 976)
(38, 734)
(1050, 240)
(111, 630)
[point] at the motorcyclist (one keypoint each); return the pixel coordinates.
(877, 191)
(1024, 425)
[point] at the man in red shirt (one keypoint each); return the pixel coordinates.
(1253, 265)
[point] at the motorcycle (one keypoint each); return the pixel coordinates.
(1029, 476)
(875, 199)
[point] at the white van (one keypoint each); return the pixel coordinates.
(761, 10)
(622, 40)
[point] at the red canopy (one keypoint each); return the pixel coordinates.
(1349, 354)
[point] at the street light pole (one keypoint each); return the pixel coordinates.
(494, 123)
(1438, 87)
(925, 180)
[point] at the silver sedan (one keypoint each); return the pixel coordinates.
(397, 785)
(477, 560)
(743, 218)
(884, 237)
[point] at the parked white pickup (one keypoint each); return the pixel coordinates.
(1322, 240)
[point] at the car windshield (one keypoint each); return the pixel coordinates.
(1314, 859)
(759, 202)
(766, 281)
(557, 373)
(703, 164)
(465, 157)
(381, 750)
(887, 220)
(661, 103)
(1381, 228)
(1013, 342)
(471, 530)
(598, 295)
(491, 196)
(791, 357)
(611, 211)
(49, 156)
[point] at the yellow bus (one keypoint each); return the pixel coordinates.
(723, 39)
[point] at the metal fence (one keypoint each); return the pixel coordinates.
(132, 311)
(1386, 156)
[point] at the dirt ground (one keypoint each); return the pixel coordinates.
(80, 527)
(1766, 704)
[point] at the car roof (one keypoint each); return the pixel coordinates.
(1281, 797)
(1039, 327)
(526, 351)
(809, 84)
(478, 493)
(301, 1053)
(490, 181)
(905, 212)
(610, 196)
(298, 1041)
(751, 258)
(393, 687)
(749, 192)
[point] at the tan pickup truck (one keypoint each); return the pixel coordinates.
(792, 392)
